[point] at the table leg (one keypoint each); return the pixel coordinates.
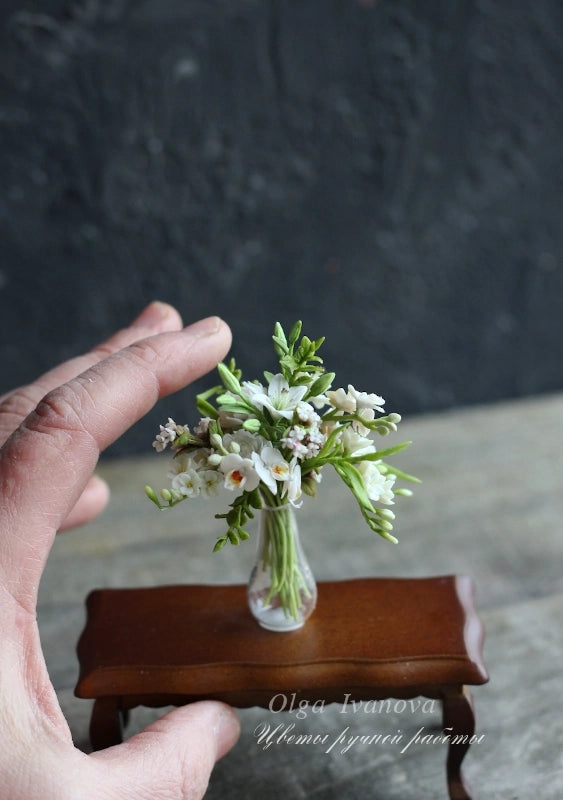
(107, 723)
(459, 723)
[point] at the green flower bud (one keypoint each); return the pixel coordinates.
(229, 380)
(251, 424)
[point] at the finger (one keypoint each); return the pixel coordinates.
(16, 405)
(173, 757)
(46, 463)
(91, 502)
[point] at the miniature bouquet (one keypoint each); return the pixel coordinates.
(268, 444)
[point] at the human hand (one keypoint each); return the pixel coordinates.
(52, 433)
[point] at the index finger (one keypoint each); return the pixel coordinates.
(16, 405)
(47, 461)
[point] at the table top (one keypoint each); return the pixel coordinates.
(202, 640)
(490, 506)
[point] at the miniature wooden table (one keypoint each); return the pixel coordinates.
(370, 639)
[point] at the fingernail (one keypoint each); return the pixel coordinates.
(226, 729)
(152, 315)
(204, 327)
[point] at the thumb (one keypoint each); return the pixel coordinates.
(172, 758)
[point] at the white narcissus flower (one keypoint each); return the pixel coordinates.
(379, 487)
(210, 482)
(271, 466)
(239, 473)
(187, 483)
(280, 400)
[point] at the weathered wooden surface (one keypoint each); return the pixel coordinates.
(490, 506)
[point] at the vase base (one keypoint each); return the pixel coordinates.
(276, 620)
(281, 629)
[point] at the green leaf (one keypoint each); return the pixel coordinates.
(380, 454)
(351, 476)
(321, 384)
(403, 476)
(279, 333)
(205, 408)
(288, 362)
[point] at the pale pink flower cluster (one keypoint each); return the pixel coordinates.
(166, 436)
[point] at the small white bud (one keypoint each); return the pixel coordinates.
(216, 441)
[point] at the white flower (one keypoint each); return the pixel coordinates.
(202, 427)
(271, 466)
(306, 414)
(365, 400)
(379, 487)
(247, 442)
(210, 480)
(339, 399)
(365, 413)
(187, 483)
(354, 444)
(252, 389)
(280, 400)
(319, 401)
(292, 486)
(239, 473)
(166, 436)
(353, 401)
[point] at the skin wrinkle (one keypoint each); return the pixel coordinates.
(44, 467)
(15, 407)
(59, 415)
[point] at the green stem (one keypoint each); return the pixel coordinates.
(279, 556)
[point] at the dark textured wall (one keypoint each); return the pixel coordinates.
(390, 172)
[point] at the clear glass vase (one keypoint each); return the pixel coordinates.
(282, 592)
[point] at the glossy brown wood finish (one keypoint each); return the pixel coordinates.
(369, 638)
